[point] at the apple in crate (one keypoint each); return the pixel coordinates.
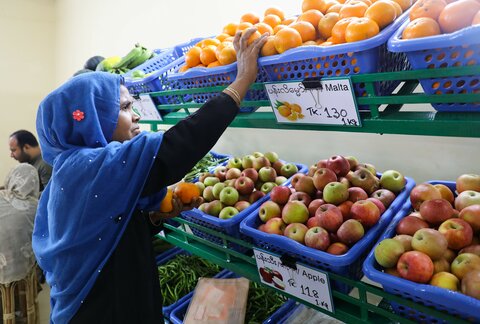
(305, 184)
(242, 205)
(393, 180)
(251, 173)
(431, 242)
(415, 266)
(356, 194)
(208, 193)
(364, 179)
(458, 233)
(300, 196)
(379, 204)
(322, 177)
(247, 161)
(313, 206)
(317, 238)
(294, 212)
(234, 162)
(350, 232)
(369, 167)
(214, 207)
(467, 198)
(269, 210)
(465, 263)
(468, 182)
(279, 180)
(220, 172)
(277, 165)
(446, 193)
(471, 284)
(436, 211)
(295, 179)
(244, 185)
(410, 224)
(217, 188)
(339, 165)
(445, 280)
(275, 226)
(387, 252)
(267, 174)
(267, 187)
(337, 248)
(423, 192)
(441, 265)
(280, 194)
(471, 215)
(288, 170)
(406, 241)
(474, 248)
(296, 231)
(254, 196)
(352, 161)
(233, 173)
(329, 217)
(260, 162)
(228, 212)
(229, 196)
(210, 181)
(385, 196)
(366, 212)
(335, 193)
(271, 156)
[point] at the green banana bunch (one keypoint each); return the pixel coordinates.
(140, 59)
(128, 59)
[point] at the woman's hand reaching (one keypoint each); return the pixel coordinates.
(178, 207)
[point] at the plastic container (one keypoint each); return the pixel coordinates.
(445, 300)
(164, 258)
(230, 226)
(367, 56)
(160, 66)
(348, 264)
(460, 48)
(178, 314)
(209, 77)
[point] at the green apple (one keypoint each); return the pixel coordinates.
(279, 180)
(335, 193)
(393, 181)
(388, 251)
(228, 212)
(465, 263)
(217, 188)
(201, 186)
(271, 156)
(431, 242)
(213, 208)
(257, 154)
(288, 170)
(208, 193)
(229, 196)
(234, 162)
(247, 161)
(268, 210)
(295, 212)
(267, 187)
(210, 181)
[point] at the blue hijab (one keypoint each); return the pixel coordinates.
(95, 186)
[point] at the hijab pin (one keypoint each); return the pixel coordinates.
(78, 115)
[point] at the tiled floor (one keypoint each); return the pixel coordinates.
(44, 305)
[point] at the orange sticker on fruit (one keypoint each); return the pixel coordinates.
(330, 102)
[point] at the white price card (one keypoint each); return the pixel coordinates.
(145, 107)
(332, 102)
(310, 285)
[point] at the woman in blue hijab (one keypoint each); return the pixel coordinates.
(94, 224)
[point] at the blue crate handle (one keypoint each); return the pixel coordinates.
(439, 297)
(465, 36)
(249, 227)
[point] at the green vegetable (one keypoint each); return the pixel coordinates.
(202, 166)
(179, 276)
(262, 303)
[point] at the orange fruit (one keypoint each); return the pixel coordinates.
(192, 58)
(310, 43)
(288, 21)
(458, 15)
(227, 55)
(230, 29)
(277, 28)
(360, 29)
(274, 11)
(272, 20)
(221, 47)
(326, 24)
(229, 39)
(254, 36)
(367, 2)
(286, 39)
(335, 8)
(250, 17)
(222, 37)
(427, 8)
(183, 68)
(269, 47)
(207, 55)
(338, 31)
(166, 205)
(312, 16)
(306, 30)
(382, 12)
(311, 4)
(397, 7)
(476, 19)
(210, 41)
(421, 27)
(327, 4)
(187, 191)
(244, 25)
(405, 4)
(353, 8)
(214, 64)
(263, 28)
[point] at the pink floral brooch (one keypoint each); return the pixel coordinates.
(78, 115)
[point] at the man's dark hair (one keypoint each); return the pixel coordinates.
(25, 137)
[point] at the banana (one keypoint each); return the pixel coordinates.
(146, 54)
(127, 60)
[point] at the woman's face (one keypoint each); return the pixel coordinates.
(127, 125)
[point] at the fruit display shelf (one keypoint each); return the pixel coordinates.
(348, 308)
(386, 114)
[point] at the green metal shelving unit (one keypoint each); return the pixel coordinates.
(386, 115)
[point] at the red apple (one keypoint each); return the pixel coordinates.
(301, 196)
(345, 208)
(277, 165)
(379, 204)
(305, 184)
(311, 170)
(457, 232)
(233, 173)
(366, 212)
(387, 252)
(313, 222)
(295, 178)
(313, 206)
(464, 263)
(266, 274)
(436, 211)
(337, 248)
(422, 192)
(350, 232)
(468, 182)
(339, 165)
(385, 196)
(204, 176)
(471, 215)
(322, 164)
(410, 224)
(474, 248)
(352, 161)
(296, 231)
(356, 194)
(431, 242)
(251, 173)
(220, 172)
(329, 217)
(317, 238)
(261, 227)
(269, 210)
(295, 212)
(471, 284)
(254, 196)
(244, 185)
(322, 177)
(406, 241)
(275, 226)
(242, 205)
(445, 280)
(467, 198)
(280, 194)
(415, 266)
(260, 162)
(441, 265)
(446, 193)
(364, 179)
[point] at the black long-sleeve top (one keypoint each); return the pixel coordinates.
(128, 289)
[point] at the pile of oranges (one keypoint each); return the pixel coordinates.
(321, 23)
(434, 17)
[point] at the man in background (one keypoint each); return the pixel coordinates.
(24, 148)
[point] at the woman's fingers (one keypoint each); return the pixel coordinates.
(246, 36)
(259, 42)
(236, 41)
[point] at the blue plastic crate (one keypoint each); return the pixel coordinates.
(367, 56)
(208, 77)
(460, 48)
(348, 264)
(230, 226)
(445, 300)
(178, 314)
(164, 258)
(163, 63)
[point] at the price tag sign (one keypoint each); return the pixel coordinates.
(306, 283)
(329, 102)
(145, 107)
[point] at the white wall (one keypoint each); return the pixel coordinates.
(109, 27)
(27, 34)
